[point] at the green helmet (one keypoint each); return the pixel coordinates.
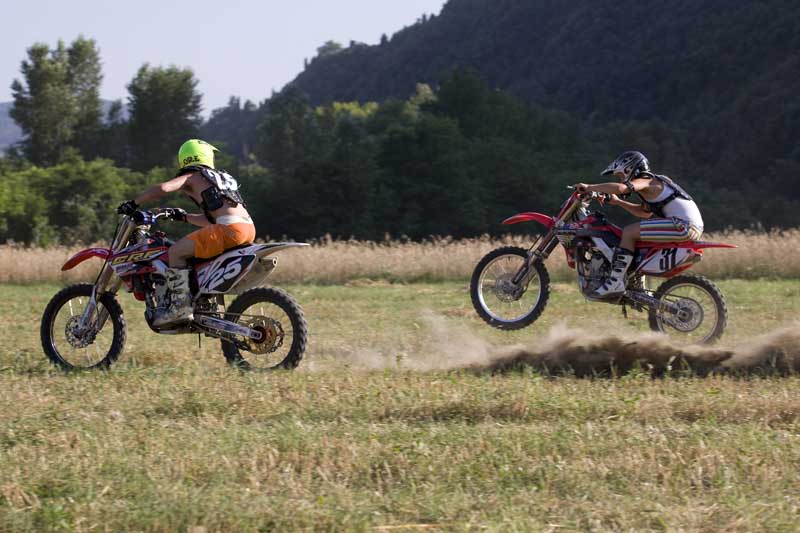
(196, 152)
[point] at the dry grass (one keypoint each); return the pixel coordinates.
(770, 255)
(172, 440)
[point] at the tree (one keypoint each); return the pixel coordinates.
(85, 76)
(113, 138)
(329, 48)
(164, 107)
(45, 107)
(58, 104)
(286, 137)
(234, 126)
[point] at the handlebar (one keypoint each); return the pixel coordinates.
(147, 217)
(604, 197)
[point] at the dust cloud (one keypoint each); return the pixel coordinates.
(570, 352)
(565, 351)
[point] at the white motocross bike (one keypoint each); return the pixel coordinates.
(263, 328)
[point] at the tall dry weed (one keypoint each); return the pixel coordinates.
(775, 254)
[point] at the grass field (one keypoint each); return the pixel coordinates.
(375, 431)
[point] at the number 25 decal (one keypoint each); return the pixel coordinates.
(221, 275)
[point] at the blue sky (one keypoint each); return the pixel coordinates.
(245, 48)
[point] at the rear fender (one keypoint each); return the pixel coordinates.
(264, 250)
(544, 220)
(670, 259)
(693, 245)
(83, 255)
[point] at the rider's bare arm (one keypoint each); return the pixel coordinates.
(198, 220)
(634, 209)
(607, 188)
(645, 185)
(157, 191)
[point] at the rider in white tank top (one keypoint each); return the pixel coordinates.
(671, 214)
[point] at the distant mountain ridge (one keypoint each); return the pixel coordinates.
(9, 131)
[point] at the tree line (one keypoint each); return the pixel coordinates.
(57, 105)
(454, 159)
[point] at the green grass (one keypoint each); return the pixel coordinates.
(171, 439)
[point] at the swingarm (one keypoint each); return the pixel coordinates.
(651, 302)
(221, 328)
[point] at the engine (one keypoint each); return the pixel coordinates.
(592, 266)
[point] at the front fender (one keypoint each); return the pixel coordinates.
(83, 255)
(544, 220)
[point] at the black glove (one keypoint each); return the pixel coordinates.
(127, 208)
(176, 213)
(142, 218)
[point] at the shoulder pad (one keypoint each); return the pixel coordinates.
(221, 179)
(208, 173)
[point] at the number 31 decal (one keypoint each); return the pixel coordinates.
(669, 258)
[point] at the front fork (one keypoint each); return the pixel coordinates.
(536, 253)
(545, 247)
(107, 281)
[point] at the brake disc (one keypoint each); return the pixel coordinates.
(75, 337)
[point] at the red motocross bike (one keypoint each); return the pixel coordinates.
(510, 286)
(83, 325)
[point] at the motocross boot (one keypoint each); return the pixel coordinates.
(614, 286)
(180, 299)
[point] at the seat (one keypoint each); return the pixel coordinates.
(195, 261)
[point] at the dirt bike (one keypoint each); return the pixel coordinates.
(263, 328)
(510, 286)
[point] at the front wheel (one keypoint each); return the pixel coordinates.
(498, 300)
(74, 346)
(692, 310)
(280, 320)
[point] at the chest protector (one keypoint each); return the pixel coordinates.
(657, 208)
(223, 189)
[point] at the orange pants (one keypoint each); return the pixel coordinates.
(216, 238)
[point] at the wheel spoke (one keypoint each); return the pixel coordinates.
(276, 317)
(499, 297)
(698, 317)
(68, 344)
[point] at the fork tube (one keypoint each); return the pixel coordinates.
(104, 279)
(548, 244)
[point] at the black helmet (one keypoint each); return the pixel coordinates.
(631, 164)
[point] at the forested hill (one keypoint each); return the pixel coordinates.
(725, 72)
(624, 59)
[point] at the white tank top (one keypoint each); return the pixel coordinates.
(681, 208)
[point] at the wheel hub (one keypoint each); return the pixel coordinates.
(688, 317)
(77, 338)
(505, 290)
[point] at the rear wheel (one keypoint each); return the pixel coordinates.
(498, 300)
(280, 320)
(692, 310)
(70, 345)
